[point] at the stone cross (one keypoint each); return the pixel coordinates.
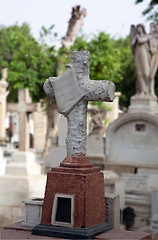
(23, 107)
(72, 92)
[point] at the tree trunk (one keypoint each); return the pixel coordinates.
(75, 24)
(52, 119)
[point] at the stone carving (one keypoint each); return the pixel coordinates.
(145, 49)
(72, 92)
(96, 123)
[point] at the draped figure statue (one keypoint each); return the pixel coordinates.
(145, 50)
(140, 49)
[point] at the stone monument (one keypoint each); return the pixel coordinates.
(145, 50)
(3, 97)
(74, 202)
(23, 107)
(138, 129)
(95, 149)
(23, 178)
(131, 143)
(95, 139)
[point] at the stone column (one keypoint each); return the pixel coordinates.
(40, 128)
(3, 96)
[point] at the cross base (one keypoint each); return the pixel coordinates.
(74, 197)
(76, 162)
(74, 201)
(71, 233)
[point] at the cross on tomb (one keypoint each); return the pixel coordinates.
(23, 107)
(72, 91)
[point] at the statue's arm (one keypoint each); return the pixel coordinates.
(142, 39)
(48, 88)
(133, 37)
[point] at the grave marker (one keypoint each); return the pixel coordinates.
(75, 179)
(23, 107)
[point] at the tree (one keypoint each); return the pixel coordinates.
(128, 84)
(151, 11)
(28, 62)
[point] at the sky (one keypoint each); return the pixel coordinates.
(112, 16)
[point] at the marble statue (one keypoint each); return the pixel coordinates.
(72, 91)
(145, 49)
(96, 125)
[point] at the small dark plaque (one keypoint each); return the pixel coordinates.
(63, 213)
(140, 127)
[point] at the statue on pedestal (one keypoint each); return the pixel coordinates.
(145, 50)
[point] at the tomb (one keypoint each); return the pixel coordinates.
(131, 140)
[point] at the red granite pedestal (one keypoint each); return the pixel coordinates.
(80, 187)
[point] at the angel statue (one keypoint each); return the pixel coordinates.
(140, 48)
(145, 50)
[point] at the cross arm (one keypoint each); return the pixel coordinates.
(32, 107)
(12, 107)
(100, 90)
(48, 88)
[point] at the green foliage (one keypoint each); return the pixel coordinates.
(28, 62)
(151, 11)
(104, 59)
(128, 72)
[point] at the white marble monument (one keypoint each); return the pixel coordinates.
(23, 178)
(145, 50)
(132, 139)
(3, 100)
(131, 143)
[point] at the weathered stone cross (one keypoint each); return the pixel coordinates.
(72, 92)
(23, 107)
